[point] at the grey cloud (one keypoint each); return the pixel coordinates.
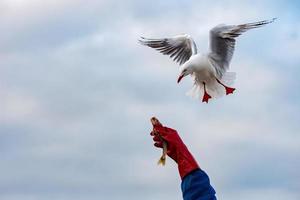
(94, 89)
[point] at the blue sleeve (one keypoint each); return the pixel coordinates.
(196, 186)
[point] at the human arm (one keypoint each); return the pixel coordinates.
(195, 182)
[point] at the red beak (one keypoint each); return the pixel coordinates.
(180, 77)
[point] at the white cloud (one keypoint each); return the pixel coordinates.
(17, 107)
(78, 92)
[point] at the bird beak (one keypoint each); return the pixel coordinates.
(180, 77)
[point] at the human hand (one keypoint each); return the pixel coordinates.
(176, 149)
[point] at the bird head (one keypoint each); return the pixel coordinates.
(184, 71)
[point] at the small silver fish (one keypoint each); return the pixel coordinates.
(162, 160)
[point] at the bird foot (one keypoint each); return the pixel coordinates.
(206, 97)
(229, 90)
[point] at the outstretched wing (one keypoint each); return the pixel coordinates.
(222, 43)
(180, 47)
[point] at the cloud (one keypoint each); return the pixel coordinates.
(77, 92)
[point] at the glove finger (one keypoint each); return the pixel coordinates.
(156, 138)
(158, 144)
(161, 130)
(152, 133)
(165, 132)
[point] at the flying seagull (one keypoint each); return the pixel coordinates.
(209, 71)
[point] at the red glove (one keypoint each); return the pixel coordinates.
(176, 149)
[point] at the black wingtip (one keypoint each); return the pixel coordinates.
(268, 21)
(272, 20)
(141, 40)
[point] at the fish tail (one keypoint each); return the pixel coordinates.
(162, 160)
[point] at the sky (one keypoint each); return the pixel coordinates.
(77, 92)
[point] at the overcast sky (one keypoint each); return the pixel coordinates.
(77, 92)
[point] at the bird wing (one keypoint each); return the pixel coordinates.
(180, 47)
(222, 43)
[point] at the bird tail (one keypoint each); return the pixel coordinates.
(213, 88)
(228, 78)
(196, 91)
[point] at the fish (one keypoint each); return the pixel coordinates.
(162, 159)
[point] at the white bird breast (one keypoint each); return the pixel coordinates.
(202, 67)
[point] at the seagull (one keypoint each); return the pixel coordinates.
(209, 71)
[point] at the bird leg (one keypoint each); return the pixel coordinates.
(229, 90)
(206, 96)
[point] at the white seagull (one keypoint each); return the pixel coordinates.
(209, 71)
